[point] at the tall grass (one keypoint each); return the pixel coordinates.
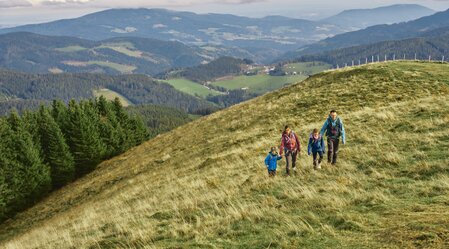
(204, 184)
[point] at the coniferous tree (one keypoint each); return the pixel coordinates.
(110, 130)
(34, 176)
(55, 150)
(83, 138)
(59, 113)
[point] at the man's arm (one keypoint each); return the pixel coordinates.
(324, 128)
(343, 134)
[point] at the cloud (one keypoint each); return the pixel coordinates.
(240, 1)
(60, 2)
(14, 3)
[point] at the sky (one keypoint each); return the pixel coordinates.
(19, 12)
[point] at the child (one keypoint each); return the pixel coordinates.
(271, 161)
(316, 147)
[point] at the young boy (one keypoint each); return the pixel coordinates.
(271, 161)
(316, 147)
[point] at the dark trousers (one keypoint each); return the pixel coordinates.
(271, 173)
(332, 150)
(290, 158)
(315, 155)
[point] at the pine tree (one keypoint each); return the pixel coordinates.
(30, 176)
(59, 113)
(138, 132)
(110, 130)
(83, 138)
(55, 150)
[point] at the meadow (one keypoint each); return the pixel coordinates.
(204, 184)
(190, 87)
(111, 95)
(260, 83)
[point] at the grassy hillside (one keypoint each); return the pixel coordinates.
(204, 184)
(190, 87)
(111, 95)
(260, 83)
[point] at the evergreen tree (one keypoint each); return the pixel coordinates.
(55, 150)
(59, 114)
(29, 178)
(83, 138)
(110, 131)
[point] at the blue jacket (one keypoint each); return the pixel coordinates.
(316, 145)
(271, 161)
(334, 123)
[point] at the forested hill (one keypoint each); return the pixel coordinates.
(36, 53)
(221, 67)
(20, 89)
(435, 45)
(379, 33)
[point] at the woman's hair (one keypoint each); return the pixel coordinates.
(315, 131)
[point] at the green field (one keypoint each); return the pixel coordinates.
(111, 95)
(261, 83)
(191, 87)
(71, 49)
(307, 68)
(126, 48)
(119, 67)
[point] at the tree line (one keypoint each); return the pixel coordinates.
(44, 150)
(17, 89)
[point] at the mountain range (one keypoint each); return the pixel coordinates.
(355, 19)
(434, 44)
(29, 52)
(265, 38)
(378, 33)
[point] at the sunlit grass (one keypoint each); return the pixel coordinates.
(204, 184)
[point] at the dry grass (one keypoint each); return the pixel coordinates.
(204, 184)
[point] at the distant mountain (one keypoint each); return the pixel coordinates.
(35, 53)
(23, 90)
(362, 18)
(434, 45)
(272, 32)
(376, 33)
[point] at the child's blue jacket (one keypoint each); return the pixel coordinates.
(316, 145)
(271, 161)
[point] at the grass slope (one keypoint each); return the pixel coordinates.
(190, 87)
(204, 184)
(260, 83)
(111, 95)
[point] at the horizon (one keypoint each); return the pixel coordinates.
(34, 12)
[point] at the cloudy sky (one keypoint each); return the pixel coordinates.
(16, 12)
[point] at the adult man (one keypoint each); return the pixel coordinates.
(334, 129)
(291, 146)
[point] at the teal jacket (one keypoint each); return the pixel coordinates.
(337, 125)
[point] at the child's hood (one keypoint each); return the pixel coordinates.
(311, 136)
